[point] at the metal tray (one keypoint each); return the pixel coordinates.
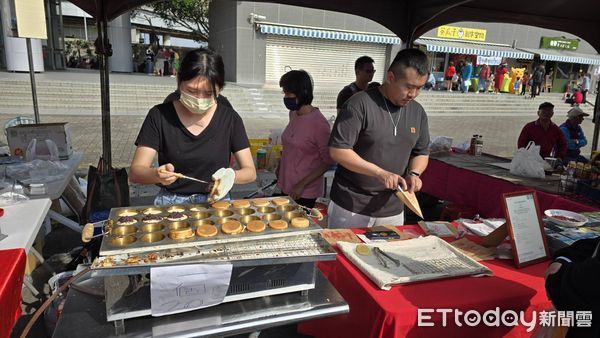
(142, 236)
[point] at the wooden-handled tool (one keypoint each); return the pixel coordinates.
(184, 176)
(410, 200)
(88, 232)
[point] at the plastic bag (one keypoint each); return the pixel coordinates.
(440, 144)
(527, 162)
(462, 148)
(46, 150)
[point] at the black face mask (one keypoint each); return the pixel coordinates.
(290, 103)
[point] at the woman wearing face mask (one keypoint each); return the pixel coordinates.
(194, 135)
(305, 156)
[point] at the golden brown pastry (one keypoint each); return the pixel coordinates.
(232, 227)
(280, 201)
(221, 205)
(300, 222)
(206, 230)
(256, 226)
(241, 204)
(278, 224)
(260, 202)
(184, 233)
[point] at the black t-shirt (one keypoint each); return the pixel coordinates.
(365, 126)
(196, 156)
(345, 94)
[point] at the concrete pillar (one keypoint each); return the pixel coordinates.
(119, 34)
(166, 40)
(222, 17)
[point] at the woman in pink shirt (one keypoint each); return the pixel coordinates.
(305, 156)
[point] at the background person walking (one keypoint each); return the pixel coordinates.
(538, 78)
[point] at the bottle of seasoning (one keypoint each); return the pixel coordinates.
(479, 145)
(473, 142)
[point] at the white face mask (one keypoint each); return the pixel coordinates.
(196, 105)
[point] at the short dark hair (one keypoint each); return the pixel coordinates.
(546, 105)
(299, 83)
(410, 58)
(361, 61)
(203, 62)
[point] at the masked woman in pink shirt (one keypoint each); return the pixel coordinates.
(305, 156)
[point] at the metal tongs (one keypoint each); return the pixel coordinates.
(380, 254)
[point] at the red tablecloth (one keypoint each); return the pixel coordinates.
(393, 313)
(12, 269)
(462, 186)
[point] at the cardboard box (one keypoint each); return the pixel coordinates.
(19, 137)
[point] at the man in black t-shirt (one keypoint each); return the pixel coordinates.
(379, 135)
(364, 71)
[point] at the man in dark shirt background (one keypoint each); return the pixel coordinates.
(544, 133)
(364, 71)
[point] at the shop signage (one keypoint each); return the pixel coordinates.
(461, 33)
(489, 60)
(559, 43)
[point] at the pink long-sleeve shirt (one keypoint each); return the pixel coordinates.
(305, 148)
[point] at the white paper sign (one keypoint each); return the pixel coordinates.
(489, 60)
(181, 288)
(526, 227)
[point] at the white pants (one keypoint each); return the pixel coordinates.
(338, 217)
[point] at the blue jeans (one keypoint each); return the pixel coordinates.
(483, 84)
(166, 197)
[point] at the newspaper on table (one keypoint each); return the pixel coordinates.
(419, 259)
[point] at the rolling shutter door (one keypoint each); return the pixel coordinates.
(327, 61)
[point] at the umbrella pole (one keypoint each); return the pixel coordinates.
(104, 50)
(596, 119)
(36, 110)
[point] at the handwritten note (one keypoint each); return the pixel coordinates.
(175, 289)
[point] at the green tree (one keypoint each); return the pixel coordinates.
(190, 14)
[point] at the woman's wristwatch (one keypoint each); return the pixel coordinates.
(413, 173)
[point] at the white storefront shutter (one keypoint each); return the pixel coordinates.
(327, 61)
